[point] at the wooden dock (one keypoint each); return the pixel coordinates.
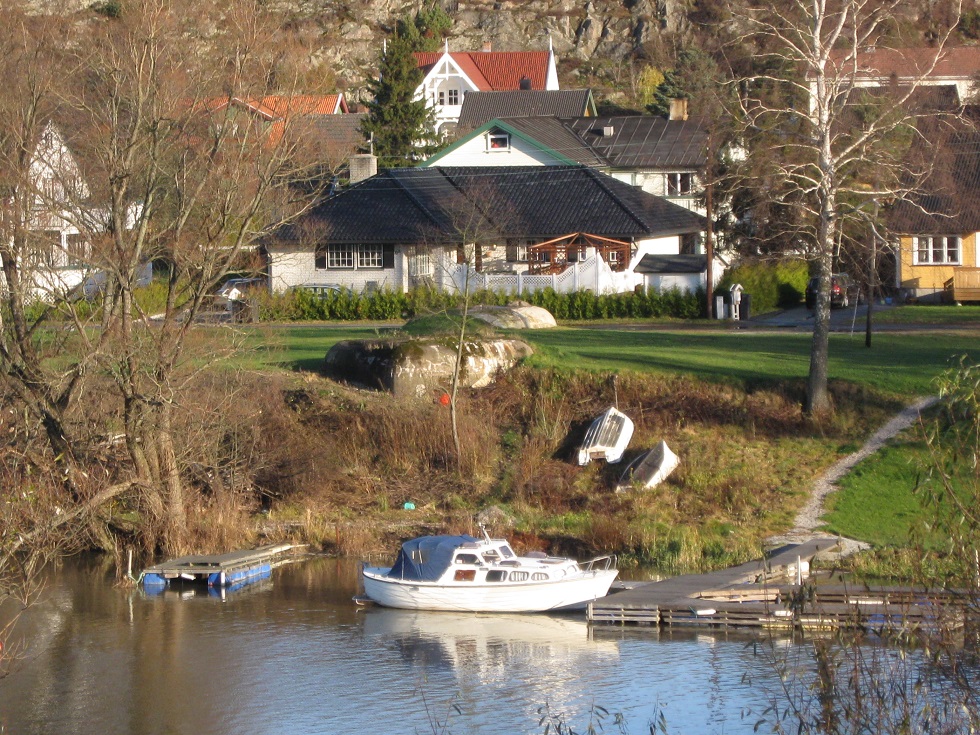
(769, 593)
(218, 570)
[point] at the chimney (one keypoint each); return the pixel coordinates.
(678, 109)
(362, 166)
(525, 83)
(487, 47)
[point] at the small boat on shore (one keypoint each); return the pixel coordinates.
(606, 438)
(649, 469)
(465, 574)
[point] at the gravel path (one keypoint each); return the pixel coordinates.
(808, 519)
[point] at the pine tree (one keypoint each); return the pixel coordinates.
(400, 124)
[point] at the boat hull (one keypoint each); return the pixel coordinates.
(564, 594)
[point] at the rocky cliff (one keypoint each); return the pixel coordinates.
(349, 33)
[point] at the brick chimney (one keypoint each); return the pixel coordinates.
(362, 166)
(678, 109)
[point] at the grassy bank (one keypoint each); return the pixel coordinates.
(727, 402)
(903, 365)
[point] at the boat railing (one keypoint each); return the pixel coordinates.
(599, 564)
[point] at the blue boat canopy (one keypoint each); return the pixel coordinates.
(425, 559)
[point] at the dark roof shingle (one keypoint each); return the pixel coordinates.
(436, 205)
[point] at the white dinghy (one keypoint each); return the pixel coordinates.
(649, 469)
(606, 438)
(464, 574)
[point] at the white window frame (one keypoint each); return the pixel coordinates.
(926, 248)
(452, 97)
(370, 257)
(679, 183)
(491, 137)
(340, 256)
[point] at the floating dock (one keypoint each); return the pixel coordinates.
(770, 593)
(219, 570)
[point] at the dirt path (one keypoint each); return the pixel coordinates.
(808, 519)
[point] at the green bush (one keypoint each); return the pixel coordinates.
(385, 305)
(772, 285)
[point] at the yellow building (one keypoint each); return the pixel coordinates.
(928, 263)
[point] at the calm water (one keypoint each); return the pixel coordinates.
(294, 655)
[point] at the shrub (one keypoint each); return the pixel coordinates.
(302, 305)
(772, 285)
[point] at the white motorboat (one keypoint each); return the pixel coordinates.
(606, 438)
(464, 574)
(649, 469)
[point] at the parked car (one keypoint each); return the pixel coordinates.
(843, 292)
(235, 289)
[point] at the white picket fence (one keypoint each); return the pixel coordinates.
(592, 274)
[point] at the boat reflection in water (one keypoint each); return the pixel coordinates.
(492, 647)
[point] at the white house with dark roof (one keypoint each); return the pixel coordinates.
(531, 227)
(662, 157)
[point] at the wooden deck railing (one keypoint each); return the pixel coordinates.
(964, 285)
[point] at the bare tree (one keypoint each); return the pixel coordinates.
(189, 181)
(832, 158)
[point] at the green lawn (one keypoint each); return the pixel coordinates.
(875, 502)
(936, 314)
(904, 364)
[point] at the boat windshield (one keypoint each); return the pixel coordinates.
(506, 552)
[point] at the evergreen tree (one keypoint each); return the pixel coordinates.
(429, 27)
(401, 125)
(695, 78)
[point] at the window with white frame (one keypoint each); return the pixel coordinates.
(516, 253)
(454, 96)
(420, 264)
(370, 256)
(498, 142)
(678, 184)
(937, 250)
(442, 98)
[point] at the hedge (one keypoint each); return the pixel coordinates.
(772, 284)
(385, 305)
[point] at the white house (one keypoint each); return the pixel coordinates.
(518, 229)
(449, 76)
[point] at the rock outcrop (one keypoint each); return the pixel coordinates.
(420, 368)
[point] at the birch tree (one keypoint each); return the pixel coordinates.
(831, 162)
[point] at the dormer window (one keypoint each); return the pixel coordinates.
(454, 96)
(498, 142)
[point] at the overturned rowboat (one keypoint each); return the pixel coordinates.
(649, 469)
(606, 438)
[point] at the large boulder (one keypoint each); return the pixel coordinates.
(417, 368)
(515, 316)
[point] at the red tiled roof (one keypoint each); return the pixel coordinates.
(276, 107)
(495, 70)
(959, 61)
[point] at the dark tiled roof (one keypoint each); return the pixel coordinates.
(341, 133)
(644, 141)
(672, 264)
(948, 201)
(433, 205)
(558, 137)
(481, 107)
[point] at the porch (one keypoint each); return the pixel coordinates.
(963, 286)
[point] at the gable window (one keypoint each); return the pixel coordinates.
(937, 250)
(678, 184)
(454, 96)
(498, 142)
(442, 97)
